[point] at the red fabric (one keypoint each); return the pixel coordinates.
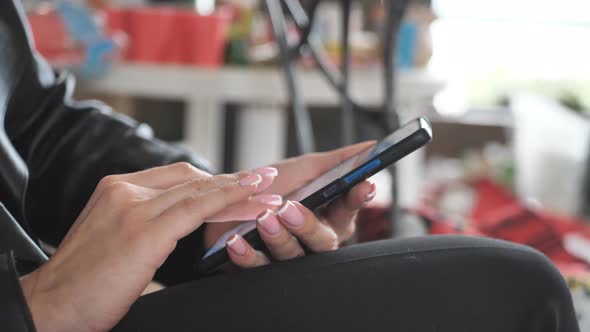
(499, 214)
(490, 197)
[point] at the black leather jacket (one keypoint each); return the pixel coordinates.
(53, 152)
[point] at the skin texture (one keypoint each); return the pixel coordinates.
(132, 222)
(129, 226)
(320, 233)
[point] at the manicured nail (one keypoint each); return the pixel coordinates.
(291, 214)
(267, 171)
(236, 244)
(369, 197)
(276, 200)
(251, 180)
(269, 222)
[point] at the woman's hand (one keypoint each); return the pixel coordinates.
(126, 231)
(283, 231)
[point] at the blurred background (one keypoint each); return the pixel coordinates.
(505, 84)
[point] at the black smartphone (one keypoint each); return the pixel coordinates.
(333, 183)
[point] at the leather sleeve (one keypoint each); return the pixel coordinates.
(69, 146)
(14, 312)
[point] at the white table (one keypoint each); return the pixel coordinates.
(262, 123)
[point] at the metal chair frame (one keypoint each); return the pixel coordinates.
(338, 78)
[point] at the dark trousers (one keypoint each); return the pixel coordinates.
(444, 283)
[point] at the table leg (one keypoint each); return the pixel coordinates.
(261, 136)
(204, 129)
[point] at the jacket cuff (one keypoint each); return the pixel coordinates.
(14, 312)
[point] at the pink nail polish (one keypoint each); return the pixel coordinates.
(275, 200)
(251, 180)
(236, 244)
(267, 171)
(291, 214)
(369, 197)
(269, 223)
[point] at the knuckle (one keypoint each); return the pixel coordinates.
(309, 231)
(197, 185)
(107, 181)
(118, 195)
(120, 190)
(331, 241)
(241, 174)
(227, 177)
(185, 168)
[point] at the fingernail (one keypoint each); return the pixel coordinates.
(251, 180)
(369, 197)
(236, 244)
(291, 214)
(267, 171)
(269, 222)
(276, 200)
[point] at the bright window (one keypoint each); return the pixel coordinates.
(494, 44)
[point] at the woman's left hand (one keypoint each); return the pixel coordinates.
(292, 224)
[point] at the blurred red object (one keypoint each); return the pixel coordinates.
(116, 28)
(52, 39)
(151, 33)
(373, 223)
(204, 38)
(115, 20)
(49, 32)
(499, 214)
(170, 35)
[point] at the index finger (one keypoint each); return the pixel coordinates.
(189, 213)
(162, 177)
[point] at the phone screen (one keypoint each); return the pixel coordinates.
(352, 163)
(334, 174)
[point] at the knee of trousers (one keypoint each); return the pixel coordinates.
(475, 270)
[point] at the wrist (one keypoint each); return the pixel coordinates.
(43, 312)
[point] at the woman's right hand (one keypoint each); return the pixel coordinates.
(126, 231)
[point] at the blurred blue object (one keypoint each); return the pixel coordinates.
(100, 51)
(407, 44)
